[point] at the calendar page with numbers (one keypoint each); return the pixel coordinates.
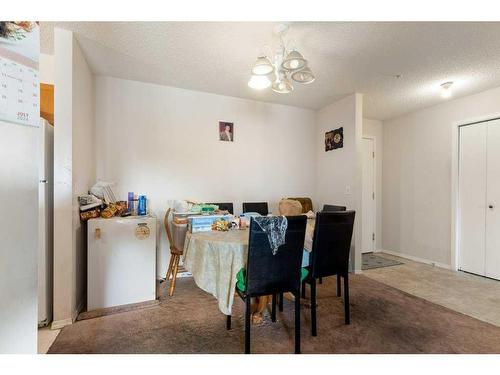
(19, 78)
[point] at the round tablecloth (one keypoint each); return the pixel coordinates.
(214, 258)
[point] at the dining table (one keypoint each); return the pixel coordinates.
(215, 257)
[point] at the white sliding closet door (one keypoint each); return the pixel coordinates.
(492, 261)
(479, 198)
(472, 197)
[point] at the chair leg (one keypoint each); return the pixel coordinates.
(228, 322)
(247, 324)
(321, 280)
(280, 303)
(174, 275)
(313, 308)
(273, 309)
(297, 323)
(170, 266)
(303, 289)
(346, 299)
(339, 286)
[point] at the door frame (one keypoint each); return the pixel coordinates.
(375, 191)
(455, 168)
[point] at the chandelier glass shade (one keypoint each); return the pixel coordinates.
(262, 66)
(304, 76)
(259, 82)
(293, 61)
(282, 85)
(281, 67)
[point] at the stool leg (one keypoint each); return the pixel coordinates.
(174, 275)
(228, 322)
(303, 289)
(170, 266)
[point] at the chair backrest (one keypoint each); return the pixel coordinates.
(259, 207)
(290, 207)
(331, 243)
(306, 204)
(176, 240)
(267, 273)
(333, 208)
(167, 226)
(225, 207)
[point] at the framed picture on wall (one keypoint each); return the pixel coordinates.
(334, 139)
(226, 131)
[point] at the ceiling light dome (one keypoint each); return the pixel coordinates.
(304, 76)
(294, 61)
(262, 66)
(446, 89)
(282, 86)
(259, 82)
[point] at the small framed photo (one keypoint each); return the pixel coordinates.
(334, 139)
(226, 131)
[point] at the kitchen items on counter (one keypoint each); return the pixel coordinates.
(101, 202)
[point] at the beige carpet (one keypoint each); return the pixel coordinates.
(384, 320)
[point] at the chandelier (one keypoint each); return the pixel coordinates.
(278, 70)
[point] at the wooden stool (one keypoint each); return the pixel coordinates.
(175, 256)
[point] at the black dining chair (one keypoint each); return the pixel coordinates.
(259, 207)
(225, 207)
(333, 208)
(330, 255)
(268, 274)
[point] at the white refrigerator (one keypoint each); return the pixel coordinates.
(45, 222)
(121, 261)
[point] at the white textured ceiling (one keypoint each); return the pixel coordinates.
(346, 57)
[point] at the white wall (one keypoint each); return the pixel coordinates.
(46, 67)
(19, 235)
(338, 172)
(417, 176)
(373, 128)
(74, 172)
(164, 142)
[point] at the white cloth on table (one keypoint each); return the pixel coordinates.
(214, 258)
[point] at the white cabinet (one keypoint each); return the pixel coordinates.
(479, 197)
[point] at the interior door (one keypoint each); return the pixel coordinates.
(492, 258)
(472, 197)
(368, 196)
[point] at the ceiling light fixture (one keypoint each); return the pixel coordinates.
(262, 66)
(446, 89)
(285, 63)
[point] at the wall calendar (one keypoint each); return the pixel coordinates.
(19, 78)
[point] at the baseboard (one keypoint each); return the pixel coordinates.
(416, 259)
(58, 324)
